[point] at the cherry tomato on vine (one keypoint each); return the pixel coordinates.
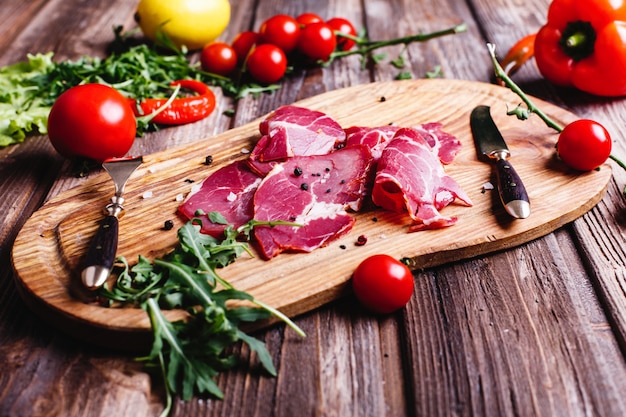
(267, 63)
(342, 25)
(243, 44)
(317, 41)
(92, 121)
(382, 283)
(218, 58)
(584, 145)
(307, 18)
(280, 30)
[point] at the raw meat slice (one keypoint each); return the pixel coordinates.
(375, 138)
(291, 131)
(445, 145)
(410, 177)
(314, 192)
(229, 191)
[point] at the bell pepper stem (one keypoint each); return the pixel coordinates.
(575, 40)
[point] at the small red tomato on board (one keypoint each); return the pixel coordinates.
(317, 41)
(584, 145)
(307, 18)
(280, 30)
(382, 283)
(92, 121)
(243, 44)
(218, 58)
(342, 25)
(266, 63)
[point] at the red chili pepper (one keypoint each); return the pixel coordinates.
(517, 56)
(181, 110)
(583, 44)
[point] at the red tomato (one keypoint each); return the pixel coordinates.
(584, 145)
(280, 30)
(308, 18)
(218, 58)
(243, 43)
(382, 283)
(267, 63)
(92, 121)
(317, 41)
(342, 25)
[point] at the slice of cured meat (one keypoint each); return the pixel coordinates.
(292, 131)
(375, 138)
(228, 191)
(313, 192)
(411, 178)
(445, 145)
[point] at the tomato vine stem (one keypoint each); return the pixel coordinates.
(365, 46)
(531, 107)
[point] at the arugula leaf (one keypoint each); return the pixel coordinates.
(261, 351)
(190, 353)
(28, 89)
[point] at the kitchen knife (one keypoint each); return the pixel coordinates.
(490, 145)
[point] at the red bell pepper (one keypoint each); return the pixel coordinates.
(181, 110)
(583, 44)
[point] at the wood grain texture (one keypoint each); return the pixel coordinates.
(48, 251)
(538, 330)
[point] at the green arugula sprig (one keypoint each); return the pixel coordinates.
(29, 88)
(190, 353)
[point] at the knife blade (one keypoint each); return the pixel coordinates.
(490, 146)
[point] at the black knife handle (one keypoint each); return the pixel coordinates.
(101, 254)
(512, 191)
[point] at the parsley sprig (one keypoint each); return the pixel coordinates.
(190, 353)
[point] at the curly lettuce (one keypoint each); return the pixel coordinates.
(22, 109)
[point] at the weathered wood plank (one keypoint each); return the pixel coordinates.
(516, 333)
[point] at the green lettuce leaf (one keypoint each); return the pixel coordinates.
(22, 111)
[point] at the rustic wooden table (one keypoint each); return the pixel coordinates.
(539, 330)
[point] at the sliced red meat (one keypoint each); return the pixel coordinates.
(292, 131)
(375, 138)
(228, 191)
(314, 192)
(445, 145)
(410, 177)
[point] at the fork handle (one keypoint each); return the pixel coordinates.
(101, 254)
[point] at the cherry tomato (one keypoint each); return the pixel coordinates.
(243, 43)
(584, 145)
(382, 283)
(218, 58)
(92, 121)
(267, 63)
(307, 18)
(280, 30)
(317, 41)
(342, 25)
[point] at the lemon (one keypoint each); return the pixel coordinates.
(192, 23)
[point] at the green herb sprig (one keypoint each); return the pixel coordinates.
(190, 353)
(137, 70)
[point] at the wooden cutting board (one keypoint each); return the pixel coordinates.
(48, 250)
